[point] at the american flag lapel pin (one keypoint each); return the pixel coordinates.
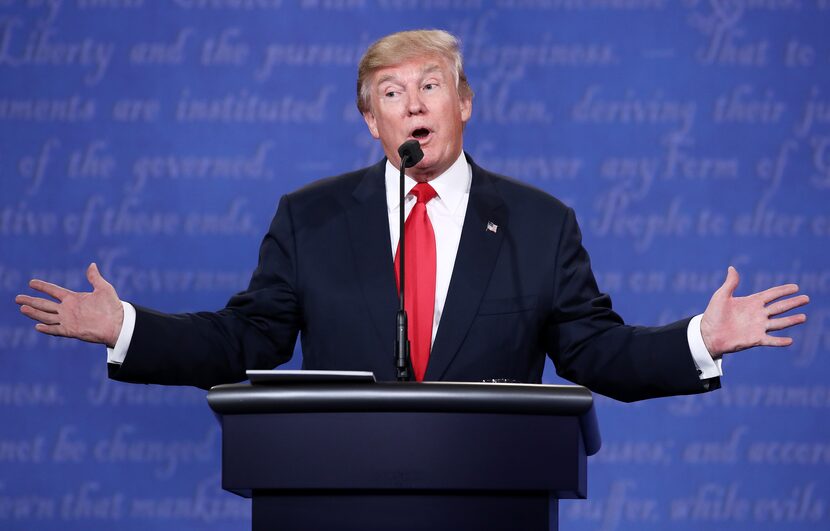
(492, 227)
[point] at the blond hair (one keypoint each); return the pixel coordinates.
(406, 45)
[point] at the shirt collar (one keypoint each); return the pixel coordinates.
(451, 186)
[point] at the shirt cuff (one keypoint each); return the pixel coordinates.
(117, 354)
(707, 367)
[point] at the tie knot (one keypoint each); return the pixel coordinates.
(423, 192)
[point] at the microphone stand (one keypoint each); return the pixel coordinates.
(403, 361)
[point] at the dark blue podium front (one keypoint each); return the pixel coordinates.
(405, 455)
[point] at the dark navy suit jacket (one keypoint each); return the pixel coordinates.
(326, 272)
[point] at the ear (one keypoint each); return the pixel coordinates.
(371, 123)
(466, 109)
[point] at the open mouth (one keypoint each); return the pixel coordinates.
(420, 133)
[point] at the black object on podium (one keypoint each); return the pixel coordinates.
(405, 456)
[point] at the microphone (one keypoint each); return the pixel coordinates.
(411, 154)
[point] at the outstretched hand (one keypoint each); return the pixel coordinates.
(95, 317)
(730, 324)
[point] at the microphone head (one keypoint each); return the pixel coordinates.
(411, 153)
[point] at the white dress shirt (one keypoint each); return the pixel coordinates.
(446, 213)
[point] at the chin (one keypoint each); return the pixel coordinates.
(425, 165)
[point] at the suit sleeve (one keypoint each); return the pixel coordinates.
(590, 345)
(256, 330)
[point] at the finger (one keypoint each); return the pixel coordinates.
(93, 275)
(787, 304)
(769, 295)
(52, 330)
(38, 303)
(37, 315)
(785, 322)
(731, 282)
(775, 341)
(53, 290)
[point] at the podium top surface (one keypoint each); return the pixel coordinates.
(455, 397)
(462, 397)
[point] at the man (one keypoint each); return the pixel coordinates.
(500, 276)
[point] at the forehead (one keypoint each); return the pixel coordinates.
(412, 68)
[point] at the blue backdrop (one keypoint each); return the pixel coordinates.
(156, 138)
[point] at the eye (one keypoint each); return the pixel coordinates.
(390, 94)
(431, 86)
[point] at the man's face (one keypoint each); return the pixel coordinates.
(418, 100)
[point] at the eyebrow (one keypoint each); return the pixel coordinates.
(429, 69)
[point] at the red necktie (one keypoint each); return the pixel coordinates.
(420, 278)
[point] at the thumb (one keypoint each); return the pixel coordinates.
(731, 282)
(94, 276)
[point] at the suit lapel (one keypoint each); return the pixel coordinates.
(368, 221)
(477, 253)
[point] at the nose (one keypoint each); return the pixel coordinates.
(415, 105)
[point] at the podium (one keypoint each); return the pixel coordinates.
(405, 456)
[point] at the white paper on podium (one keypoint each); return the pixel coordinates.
(270, 377)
